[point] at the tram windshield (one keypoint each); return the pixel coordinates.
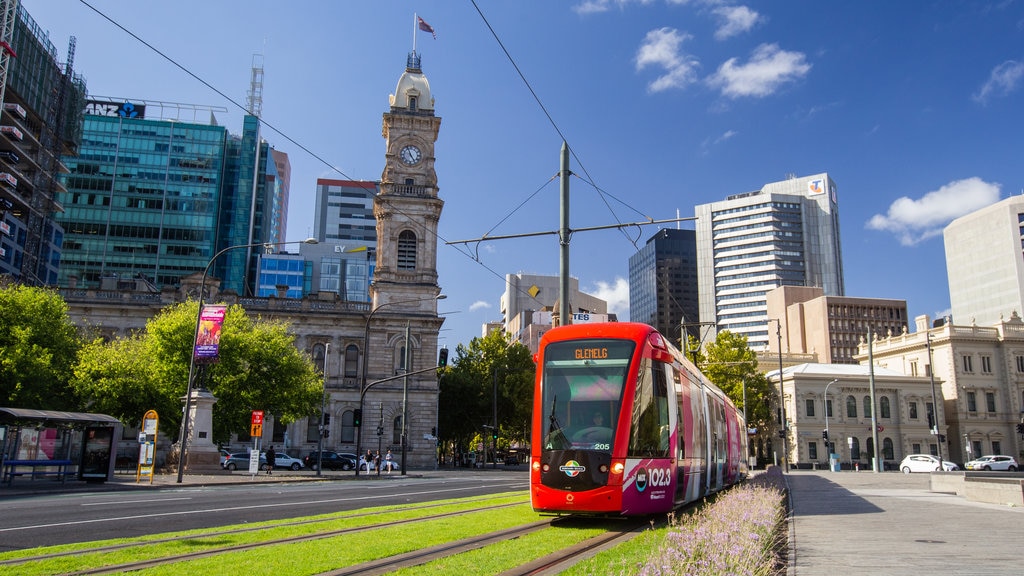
(582, 391)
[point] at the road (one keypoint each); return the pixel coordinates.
(61, 518)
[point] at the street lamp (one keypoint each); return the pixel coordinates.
(782, 399)
(323, 402)
(828, 438)
(935, 405)
(366, 362)
(183, 435)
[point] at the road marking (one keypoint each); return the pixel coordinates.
(219, 510)
(147, 501)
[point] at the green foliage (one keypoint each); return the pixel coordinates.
(732, 365)
(38, 346)
(466, 400)
(259, 369)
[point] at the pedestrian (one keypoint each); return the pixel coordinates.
(387, 461)
(376, 462)
(368, 459)
(271, 459)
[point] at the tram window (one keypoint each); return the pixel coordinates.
(650, 426)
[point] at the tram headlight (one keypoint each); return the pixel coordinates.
(536, 465)
(618, 468)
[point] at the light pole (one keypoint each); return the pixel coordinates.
(366, 362)
(871, 392)
(782, 399)
(935, 405)
(828, 437)
(323, 402)
(183, 434)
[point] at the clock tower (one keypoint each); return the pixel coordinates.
(407, 209)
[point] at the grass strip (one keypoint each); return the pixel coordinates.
(318, 556)
(510, 553)
(156, 546)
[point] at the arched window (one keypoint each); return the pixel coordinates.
(396, 432)
(406, 250)
(851, 407)
(412, 103)
(855, 448)
(348, 431)
(883, 407)
(318, 357)
(867, 406)
(313, 426)
(887, 449)
(351, 361)
(871, 446)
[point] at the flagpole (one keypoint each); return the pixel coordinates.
(415, 18)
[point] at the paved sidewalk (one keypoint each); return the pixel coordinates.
(890, 523)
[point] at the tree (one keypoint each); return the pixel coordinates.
(467, 400)
(732, 366)
(38, 348)
(259, 369)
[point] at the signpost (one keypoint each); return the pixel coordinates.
(147, 446)
(256, 431)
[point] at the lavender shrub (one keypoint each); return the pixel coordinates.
(741, 533)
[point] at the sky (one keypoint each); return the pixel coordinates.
(913, 108)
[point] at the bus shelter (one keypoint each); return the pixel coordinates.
(41, 443)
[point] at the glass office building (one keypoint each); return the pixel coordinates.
(141, 200)
(663, 283)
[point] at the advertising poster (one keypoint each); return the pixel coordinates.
(208, 335)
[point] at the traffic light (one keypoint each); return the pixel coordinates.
(495, 436)
(824, 434)
(782, 433)
(1020, 428)
(357, 417)
(442, 358)
(433, 431)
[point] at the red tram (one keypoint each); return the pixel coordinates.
(624, 424)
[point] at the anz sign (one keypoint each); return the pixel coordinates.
(124, 109)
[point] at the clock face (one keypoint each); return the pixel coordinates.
(411, 155)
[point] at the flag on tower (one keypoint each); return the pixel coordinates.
(426, 27)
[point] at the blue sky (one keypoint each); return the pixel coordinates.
(913, 108)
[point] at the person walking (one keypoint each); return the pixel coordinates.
(271, 460)
(388, 462)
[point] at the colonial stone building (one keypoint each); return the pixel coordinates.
(358, 343)
(980, 370)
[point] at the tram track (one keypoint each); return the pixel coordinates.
(109, 569)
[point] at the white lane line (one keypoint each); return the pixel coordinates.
(218, 510)
(118, 502)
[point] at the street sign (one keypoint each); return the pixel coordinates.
(256, 429)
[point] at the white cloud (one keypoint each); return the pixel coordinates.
(596, 6)
(916, 220)
(615, 294)
(734, 20)
(1001, 81)
(479, 305)
(769, 68)
(661, 48)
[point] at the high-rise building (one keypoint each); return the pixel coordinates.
(41, 121)
(142, 197)
(152, 198)
(663, 283)
(344, 212)
(785, 234)
(985, 263)
(830, 327)
(529, 293)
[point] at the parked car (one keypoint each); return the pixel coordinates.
(331, 460)
(993, 462)
(282, 461)
(925, 463)
(223, 456)
(240, 461)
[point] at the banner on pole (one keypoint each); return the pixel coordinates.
(211, 319)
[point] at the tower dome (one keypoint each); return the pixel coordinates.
(413, 90)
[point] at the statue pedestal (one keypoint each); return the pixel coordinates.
(201, 454)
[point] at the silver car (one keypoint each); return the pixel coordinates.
(993, 462)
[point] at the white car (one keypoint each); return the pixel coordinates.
(283, 461)
(992, 462)
(925, 463)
